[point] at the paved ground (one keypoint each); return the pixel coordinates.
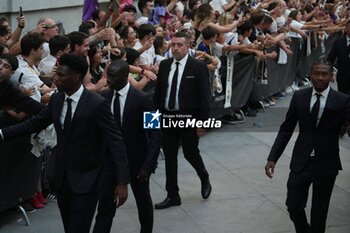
(243, 200)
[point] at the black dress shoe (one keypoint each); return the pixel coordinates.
(169, 201)
(206, 188)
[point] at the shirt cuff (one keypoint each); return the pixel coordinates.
(1, 135)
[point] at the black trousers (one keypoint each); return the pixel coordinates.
(107, 207)
(77, 210)
(189, 141)
(298, 189)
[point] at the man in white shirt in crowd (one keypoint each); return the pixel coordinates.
(27, 74)
(145, 7)
(58, 45)
(146, 34)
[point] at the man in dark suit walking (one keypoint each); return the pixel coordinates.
(182, 88)
(142, 146)
(85, 127)
(320, 112)
(341, 52)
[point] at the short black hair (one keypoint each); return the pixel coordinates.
(76, 63)
(76, 38)
(123, 32)
(146, 29)
(158, 43)
(58, 43)
(118, 56)
(10, 59)
(31, 41)
(245, 27)
(209, 32)
(142, 4)
(86, 26)
(322, 61)
(130, 8)
(268, 19)
(181, 35)
(131, 55)
(119, 68)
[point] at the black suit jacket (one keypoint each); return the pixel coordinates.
(10, 96)
(340, 51)
(324, 138)
(194, 90)
(80, 155)
(142, 145)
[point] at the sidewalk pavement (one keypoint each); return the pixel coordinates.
(243, 199)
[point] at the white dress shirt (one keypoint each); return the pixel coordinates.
(123, 93)
(46, 64)
(347, 41)
(147, 57)
(75, 99)
(182, 64)
(323, 99)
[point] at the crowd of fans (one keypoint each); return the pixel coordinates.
(141, 37)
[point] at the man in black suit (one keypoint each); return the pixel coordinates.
(341, 52)
(320, 112)
(10, 96)
(85, 127)
(142, 146)
(182, 88)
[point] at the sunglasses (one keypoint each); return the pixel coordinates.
(50, 27)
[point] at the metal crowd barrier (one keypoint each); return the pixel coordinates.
(19, 170)
(244, 80)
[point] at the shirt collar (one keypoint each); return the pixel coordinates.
(323, 93)
(124, 90)
(347, 40)
(76, 96)
(182, 61)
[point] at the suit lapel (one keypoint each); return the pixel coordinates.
(184, 74)
(82, 104)
(128, 103)
(329, 102)
(109, 95)
(57, 115)
(167, 72)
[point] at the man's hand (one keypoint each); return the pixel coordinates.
(150, 75)
(21, 21)
(120, 194)
(27, 91)
(143, 176)
(45, 99)
(269, 168)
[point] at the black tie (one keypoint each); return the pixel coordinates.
(172, 96)
(68, 117)
(315, 109)
(117, 109)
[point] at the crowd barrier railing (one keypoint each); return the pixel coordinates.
(241, 75)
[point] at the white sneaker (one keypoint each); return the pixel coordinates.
(289, 90)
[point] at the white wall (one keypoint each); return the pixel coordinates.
(67, 11)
